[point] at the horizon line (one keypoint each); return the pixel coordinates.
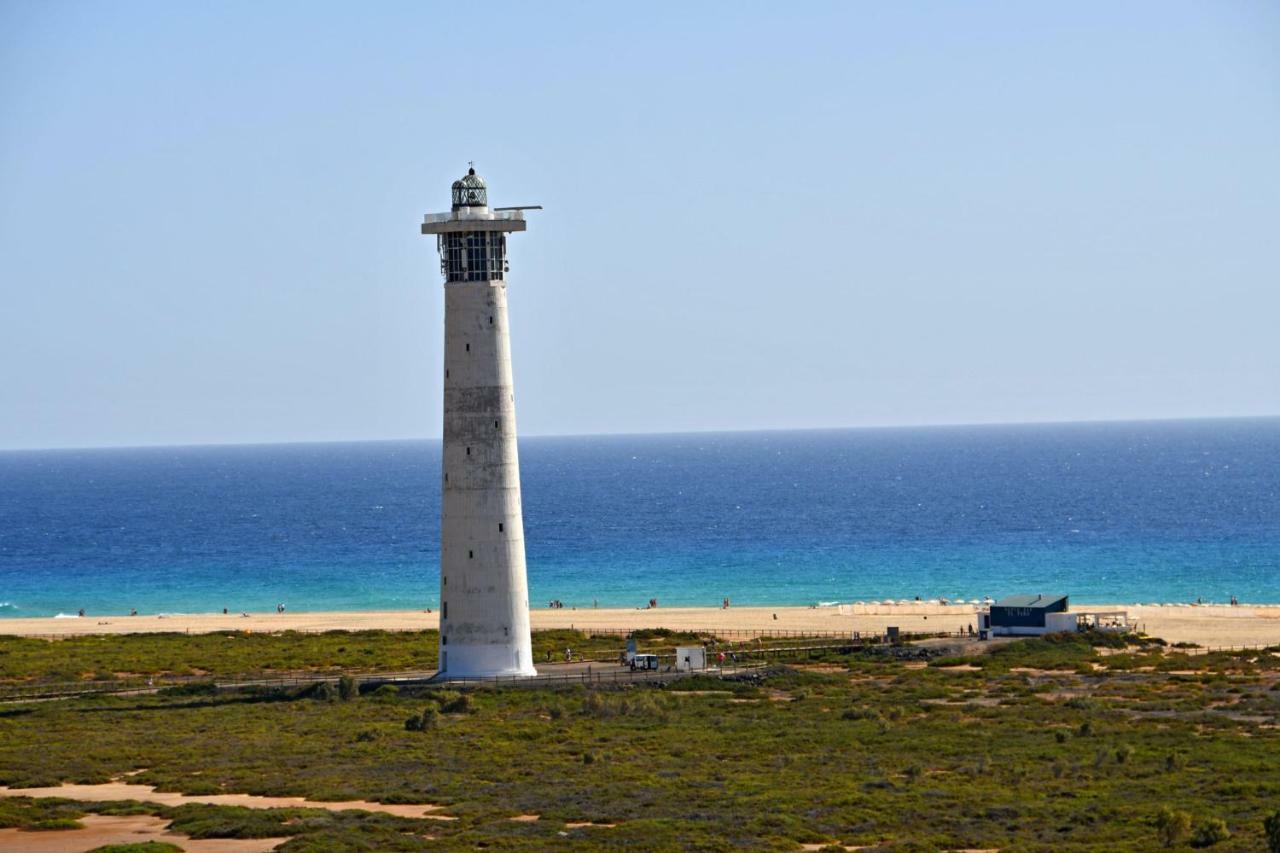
(945, 425)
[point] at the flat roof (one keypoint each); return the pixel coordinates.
(1034, 601)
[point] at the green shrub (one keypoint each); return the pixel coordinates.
(1209, 832)
(1124, 753)
(194, 688)
(593, 705)
(348, 687)
(55, 823)
(1060, 736)
(385, 693)
(1171, 826)
(427, 720)
(861, 714)
(444, 697)
(462, 704)
(1271, 827)
(324, 692)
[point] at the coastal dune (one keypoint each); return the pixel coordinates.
(1205, 625)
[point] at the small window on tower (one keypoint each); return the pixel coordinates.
(468, 451)
(468, 347)
(471, 555)
(444, 610)
(499, 526)
(491, 320)
(495, 425)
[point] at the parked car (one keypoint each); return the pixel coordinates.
(644, 662)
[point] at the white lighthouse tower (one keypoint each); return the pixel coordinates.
(484, 592)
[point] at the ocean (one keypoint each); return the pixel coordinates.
(1121, 512)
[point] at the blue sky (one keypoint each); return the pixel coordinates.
(757, 215)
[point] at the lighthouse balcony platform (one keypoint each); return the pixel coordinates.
(474, 219)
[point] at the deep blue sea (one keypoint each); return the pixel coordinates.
(1159, 511)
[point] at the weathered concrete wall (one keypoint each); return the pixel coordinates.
(483, 585)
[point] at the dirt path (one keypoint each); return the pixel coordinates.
(114, 791)
(100, 830)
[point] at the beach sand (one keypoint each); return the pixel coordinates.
(1207, 625)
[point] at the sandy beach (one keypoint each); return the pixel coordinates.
(1206, 625)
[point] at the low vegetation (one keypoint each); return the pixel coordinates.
(245, 654)
(1055, 744)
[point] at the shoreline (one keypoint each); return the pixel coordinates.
(1206, 624)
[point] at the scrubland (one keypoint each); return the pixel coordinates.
(1057, 744)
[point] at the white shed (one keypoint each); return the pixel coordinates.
(689, 658)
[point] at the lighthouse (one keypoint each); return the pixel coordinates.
(484, 591)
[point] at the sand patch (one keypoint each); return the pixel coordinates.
(101, 830)
(115, 791)
(581, 824)
(979, 701)
(700, 693)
